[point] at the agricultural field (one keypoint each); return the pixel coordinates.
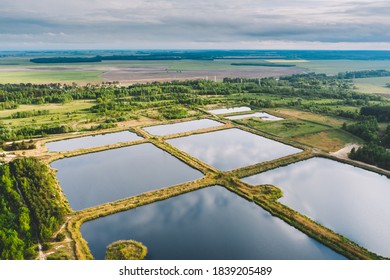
(333, 67)
(39, 76)
(373, 85)
(176, 65)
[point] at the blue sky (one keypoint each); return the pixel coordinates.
(180, 24)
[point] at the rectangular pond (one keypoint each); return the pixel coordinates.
(261, 115)
(92, 141)
(97, 178)
(166, 129)
(211, 223)
(349, 200)
(232, 148)
(223, 111)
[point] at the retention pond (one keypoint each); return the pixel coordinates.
(97, 178)
(349, 200)
(261, 115)
(91, 141)
(232, 148)
(229, 110)
(166, 129)
(211, 223)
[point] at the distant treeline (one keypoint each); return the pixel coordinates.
(101, 58)
(30, 207)
(65, 60)
(363, 74)
(71, 56)
(265, 63)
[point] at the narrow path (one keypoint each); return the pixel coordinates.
(41, 255)
(343, 153)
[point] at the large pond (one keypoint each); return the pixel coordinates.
(97, 178)
(261, 115)
(162, 130)
(92, 141)
(232, 148)
(349, 200)
(229, 110)
(211, 223)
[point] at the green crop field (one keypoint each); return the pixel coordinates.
(373, 85)
(51, 76)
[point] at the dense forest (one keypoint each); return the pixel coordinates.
(30, 207)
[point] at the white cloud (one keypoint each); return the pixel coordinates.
(172, 23)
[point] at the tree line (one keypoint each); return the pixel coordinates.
(376, 150)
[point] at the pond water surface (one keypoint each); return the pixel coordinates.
(261, 115)
(97, 178)
(211, 223)
(166, 129)
(349, 200)
(92, 141)
(232, 148)
(229, 110)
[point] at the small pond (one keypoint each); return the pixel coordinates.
(92, 141)
(261, 115)
(166, 129)
(229, 110)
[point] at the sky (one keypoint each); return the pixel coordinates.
(194, 24)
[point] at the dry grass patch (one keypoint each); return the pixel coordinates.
(328, 141)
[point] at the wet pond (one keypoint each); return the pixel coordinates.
(92, 141)
(162, 130)
(211, 223)
(97, 178)
(349, 200)
(261, 115)
(229, 110)
(232, 148)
